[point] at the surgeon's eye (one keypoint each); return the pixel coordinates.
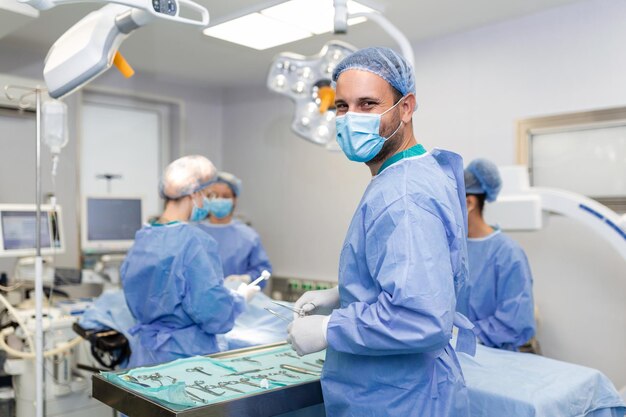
(341, 108)
(368, 105)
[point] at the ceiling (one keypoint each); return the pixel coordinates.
(182, 52)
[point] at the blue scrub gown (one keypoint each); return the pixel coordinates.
(240, 249)
(403, 260)
(498, 296)
(173, 284)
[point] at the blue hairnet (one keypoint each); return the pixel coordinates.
(482, 177)
(187, 175)
(229, 179)
(384, 62)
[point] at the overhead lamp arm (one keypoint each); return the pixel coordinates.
(393, 31)
(341, 16)
(90, 47)
(171, 12)
(341, 27)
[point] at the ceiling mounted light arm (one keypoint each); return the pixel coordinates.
(393, 31)
(90, 47)
(341, 16)
(163, 9)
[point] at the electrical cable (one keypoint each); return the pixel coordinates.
(63, 347)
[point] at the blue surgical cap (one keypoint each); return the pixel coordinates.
(482, 177)
(229, 179)
(384, 62)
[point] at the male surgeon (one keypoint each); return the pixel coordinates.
(403, 260)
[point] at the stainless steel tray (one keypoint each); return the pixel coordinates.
(264, 404)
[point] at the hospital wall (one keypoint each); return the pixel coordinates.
(201, 133)
(472, 88)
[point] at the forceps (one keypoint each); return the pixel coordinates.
(300, 312)
(198, 369)
(280, 316)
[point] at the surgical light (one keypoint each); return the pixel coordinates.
(91, 46)
(306, 80)
(283, 23)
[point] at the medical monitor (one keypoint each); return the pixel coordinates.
(18, 230)
(109, 224)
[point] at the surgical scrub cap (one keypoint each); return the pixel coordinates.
(187, 175)
(385, 63)
(229, 179)
(482, 177)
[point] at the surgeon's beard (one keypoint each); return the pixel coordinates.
(394, 143)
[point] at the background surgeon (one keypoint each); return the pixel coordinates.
(498, 297)
(403, 259)
(172, 276)
(243, 256)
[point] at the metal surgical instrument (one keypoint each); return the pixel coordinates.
(225, 385)
(134, 380)
(153, 377)
(198, 385)
(300, 370)
(195, 397)
(290, 354)
(264, 376)
(198, 369)
(159, 376)
(280, 316)
(287, 374)
(246, 359)
(315, 365)
(300, 312)
(247, 372)
(248, 382)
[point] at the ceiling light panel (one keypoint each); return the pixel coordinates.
(316, 16)
(286, 22)
(257, 31)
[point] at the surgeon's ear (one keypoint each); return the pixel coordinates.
(408, 107)
(470, 202)
(196, 198)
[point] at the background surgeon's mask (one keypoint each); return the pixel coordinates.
(200, 213)
(358, 134)
(221, 207)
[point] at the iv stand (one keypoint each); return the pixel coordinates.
(39, 359)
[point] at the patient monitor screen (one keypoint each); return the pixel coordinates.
(18, 230)
(113, 218)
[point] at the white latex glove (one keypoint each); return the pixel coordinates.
(308, 334)
(238, 278)
(248, 292)
(318, 302)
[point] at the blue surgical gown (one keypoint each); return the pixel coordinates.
(403, 260)
(173, 283)
(240, 249)
(498, 297)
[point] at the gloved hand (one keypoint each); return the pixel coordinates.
(248, 292)
(308, 334)
(318, 302)
(239, 278)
